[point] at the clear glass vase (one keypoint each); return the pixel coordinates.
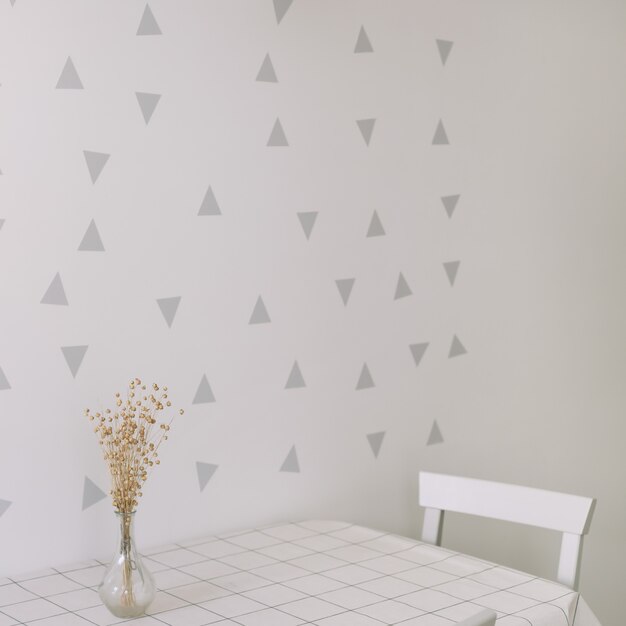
(128, 587)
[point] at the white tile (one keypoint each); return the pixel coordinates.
(288, 532)
(461, 611)
(11, 594)
(465, 589)
(321, 543)
(356, 534)
(5, 581)
(274, 595)
(164, 601)
(62, 620)
(254, 540)
(388, 544)
(49, 585)
(32, 610)
(5, 620)
(169, 578)
(353, 553)
(89, 577)
(389, 587)
(314, 584)
(501, 577)
(243, 581)
(428, 620)
(348, 619)
(284, 551)
(153, 566)
(99, 615)
(310, 609)
(157, 549)
(428, 600)
(460, 565)
(351, 597)
(233, 605)
(424, 554)
(280, 572)
(198, 592)
(541, 590)
(76, 600)
(425, 576)
(208, 569)
(505, 602)
(317, 562)
(178, 558)
(189, 616)
(248, 560)
(269, 617)
(390, 611)
(388, 564)
(217, 549)
(324, 526)
(352, 574)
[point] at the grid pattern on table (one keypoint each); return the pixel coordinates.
(324, 573)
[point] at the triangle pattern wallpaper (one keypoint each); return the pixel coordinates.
(286, 371)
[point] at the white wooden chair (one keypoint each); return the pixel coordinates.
(484, 618)
(566, 513)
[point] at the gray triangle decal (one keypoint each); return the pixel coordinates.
(295, 380)
(266, 73)
(169, 307)
(205, 473)
(402, 288)
(345, 288)
(363, 43)
(451, 268)
(55, 294)
(4, 383)
(204, 394)
(148, 24)
(307, 221)
(435, 435)
(4, 506)
(367, 128)
(444, 48)
(290, 464)
(277, 137)
(209, 204)
(74, 356)
(365, 379)
(95, 163)
(69, 78)
(376, 441)
(456, 348)
(91, 241)
(449, 203)
(147, 104)
(440, 138)
(92, 494)
(280, 8)
(375, 228)
(1, 220)
(259, 314)
(418, 350)
(12, 2)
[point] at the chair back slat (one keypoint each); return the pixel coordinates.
(512, 503)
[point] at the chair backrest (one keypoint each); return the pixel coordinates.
(565, 513)
(484, 618)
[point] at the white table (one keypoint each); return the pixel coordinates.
(316, 572)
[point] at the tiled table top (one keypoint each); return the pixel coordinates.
(315, 572)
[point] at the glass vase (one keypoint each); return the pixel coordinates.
(128, 587)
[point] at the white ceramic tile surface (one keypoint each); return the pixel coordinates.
(320, 573)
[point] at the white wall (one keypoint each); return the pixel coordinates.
(532, 100)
